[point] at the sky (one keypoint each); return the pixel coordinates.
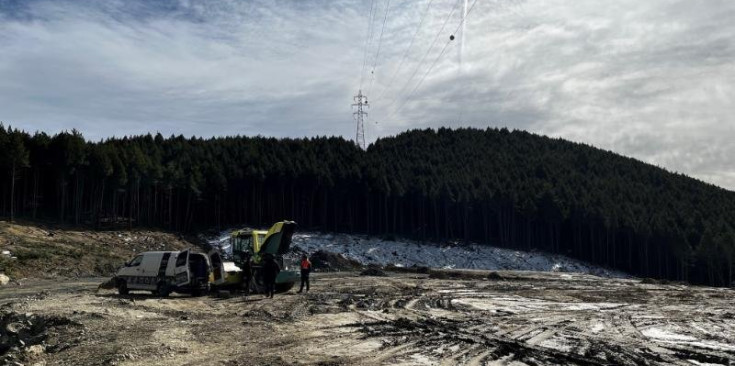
(648, 79)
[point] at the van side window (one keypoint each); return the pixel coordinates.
(136, 261)
(181, 259)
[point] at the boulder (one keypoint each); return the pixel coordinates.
(15, 328)
(4, 280)
(35, 350)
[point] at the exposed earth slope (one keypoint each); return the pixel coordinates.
(37, 251)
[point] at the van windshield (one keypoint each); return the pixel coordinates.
(136, 261)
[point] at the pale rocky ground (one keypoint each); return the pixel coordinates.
(460, 318)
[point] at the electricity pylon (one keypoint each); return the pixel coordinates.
(359, 114)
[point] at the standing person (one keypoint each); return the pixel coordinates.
(247, 272)
(270, 272)
(305, 270)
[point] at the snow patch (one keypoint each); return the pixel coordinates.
(597, 328)
(556, 344)
(664, 335)
(448, 255)
(695, 362)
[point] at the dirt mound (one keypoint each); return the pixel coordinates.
(373, 271)
(413, 269)
(445, 275)
(23, 336)
(107, 285)
(654, 281)
(323, 260)
(40, 251)
(461, 274)
(494, 276)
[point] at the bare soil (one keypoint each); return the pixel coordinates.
(466, 318)
(46, 251)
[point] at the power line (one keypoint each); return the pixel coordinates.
(405, 54)
(368, 39)
(380, 43)
(415, 71)
(435, 61)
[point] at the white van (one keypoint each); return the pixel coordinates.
(166, 272)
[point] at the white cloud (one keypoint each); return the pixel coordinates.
(647, 79)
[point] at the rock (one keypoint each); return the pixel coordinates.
(4, 280)
(14, 328)
(36, 350)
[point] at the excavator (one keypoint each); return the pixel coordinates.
(276, 241)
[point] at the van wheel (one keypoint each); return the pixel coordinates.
(122, 287)
(163, 289)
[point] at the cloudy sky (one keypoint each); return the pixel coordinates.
(650, 79)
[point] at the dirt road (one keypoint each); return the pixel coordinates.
(404, 319)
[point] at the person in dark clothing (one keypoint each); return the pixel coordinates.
(305, 270)
(270, 272)
(247, 272)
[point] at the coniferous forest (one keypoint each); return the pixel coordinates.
(511, 189)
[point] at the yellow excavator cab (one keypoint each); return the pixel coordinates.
(259, 243)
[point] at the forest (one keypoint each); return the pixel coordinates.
(506, 188)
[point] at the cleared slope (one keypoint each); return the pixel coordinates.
(449, 255)
(38, 251)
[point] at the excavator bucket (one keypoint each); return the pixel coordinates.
(278, 239)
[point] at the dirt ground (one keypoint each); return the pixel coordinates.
(465, 318)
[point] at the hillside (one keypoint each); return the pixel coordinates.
(510, 189)
(41, 251)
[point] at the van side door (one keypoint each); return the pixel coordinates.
(145, 276)
(182, 275)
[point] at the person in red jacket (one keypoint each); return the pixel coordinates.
(305, 270)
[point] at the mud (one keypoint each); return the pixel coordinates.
(465, 318)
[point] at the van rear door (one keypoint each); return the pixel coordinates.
(218, 267)
(181, 271)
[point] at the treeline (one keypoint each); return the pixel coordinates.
(512, 189)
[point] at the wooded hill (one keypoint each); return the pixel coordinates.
(511, 189)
